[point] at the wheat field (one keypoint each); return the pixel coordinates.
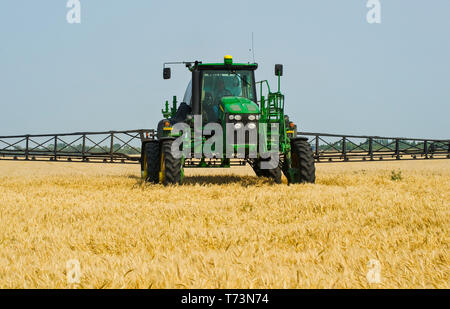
(225, 228)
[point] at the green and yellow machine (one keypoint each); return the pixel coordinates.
(222, 98)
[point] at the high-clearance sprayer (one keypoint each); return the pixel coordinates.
(220, 123)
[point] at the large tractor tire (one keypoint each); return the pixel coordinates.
(274, 173)
(171, 170)
(302, 161)
(150, 163)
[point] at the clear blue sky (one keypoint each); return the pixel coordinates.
(342, 75)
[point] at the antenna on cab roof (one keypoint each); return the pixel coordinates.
(253, 49)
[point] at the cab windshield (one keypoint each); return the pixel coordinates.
(217, 84)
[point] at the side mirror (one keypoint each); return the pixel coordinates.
(278, 70)
(166, 73)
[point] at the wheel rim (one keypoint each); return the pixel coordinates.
(162, 173)
(145, 168)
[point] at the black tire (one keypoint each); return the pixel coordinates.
(254, 164)
(172, 167)
(302, 161)
(274, 173)
(151, 162)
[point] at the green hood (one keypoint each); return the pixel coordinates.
(239, 105)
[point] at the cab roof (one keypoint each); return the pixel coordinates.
(223, 66)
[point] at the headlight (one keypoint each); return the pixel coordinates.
(251, 117)
(238, 126)
(257, 117)
(238, 117)
(231, 117)
(252, 126)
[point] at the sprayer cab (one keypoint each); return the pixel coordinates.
(223, 88)
(212, 82)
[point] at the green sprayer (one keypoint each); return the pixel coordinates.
(221, 122)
